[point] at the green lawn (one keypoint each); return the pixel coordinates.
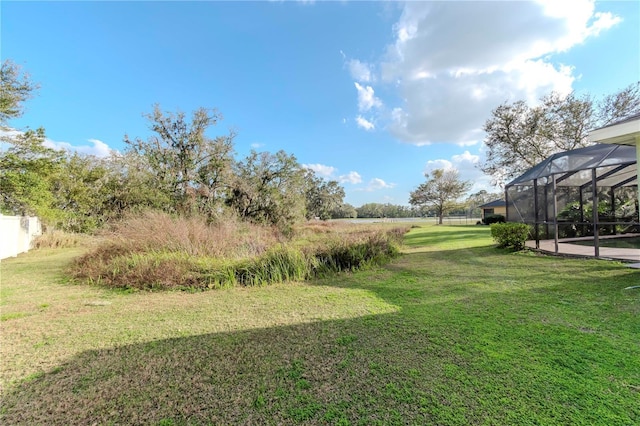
(454, 331)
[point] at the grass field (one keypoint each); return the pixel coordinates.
(454, 331)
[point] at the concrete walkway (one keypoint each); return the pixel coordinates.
(624, 254)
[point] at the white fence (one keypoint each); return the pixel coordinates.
(16, 234)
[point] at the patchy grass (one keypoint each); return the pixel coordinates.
(453, 332)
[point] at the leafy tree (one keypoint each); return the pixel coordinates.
(130, 185)
(483, 196)
(27, 166)
(344, 211)
(269, 188)
(191, 168)
(16, 88)
(378, 210)
(520, 136)
(479, 198)
(322, 197)
(370, 211)
(440, 192)
(64, 191)
(27, 169)
(79, 195)
(397, 211)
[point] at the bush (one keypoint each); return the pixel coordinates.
(277, 265)
(345, 255)
(494, 218)
(510, 235)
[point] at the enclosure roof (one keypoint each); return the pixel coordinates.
(495, 203)
(615, 164)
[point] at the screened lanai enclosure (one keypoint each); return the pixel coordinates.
(587, 193)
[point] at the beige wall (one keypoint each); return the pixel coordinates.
(496, 210)
(16, 234)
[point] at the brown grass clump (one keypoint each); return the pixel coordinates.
(229, 238)
(58, 239)
(158, 251)
(319, 227)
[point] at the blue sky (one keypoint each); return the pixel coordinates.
(373, 94)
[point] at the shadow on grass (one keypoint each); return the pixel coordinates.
(480, 338)
(383, 369)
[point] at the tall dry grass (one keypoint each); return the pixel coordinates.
(58, 239)
(159, 251)
(227, 238)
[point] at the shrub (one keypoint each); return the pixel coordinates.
(494, 218)
(279, 264)
(359, 250)
(510, 235)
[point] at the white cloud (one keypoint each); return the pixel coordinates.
(438, 164)
(376, 184)
(328, 172)
(321, 169)
(580, 19)
(351, 177)
(364, 123)
(603, 21)
(97, 147)
(454, 62)
(8, 133)
(466, 157)
(367, 98)
(360, 71)
(257, 145)
(467, 166)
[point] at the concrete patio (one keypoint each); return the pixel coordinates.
(568, 249)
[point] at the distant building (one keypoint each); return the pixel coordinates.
(493, 208)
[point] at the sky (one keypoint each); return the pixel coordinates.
(372, 94)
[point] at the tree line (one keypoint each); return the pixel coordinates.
(178, 169)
